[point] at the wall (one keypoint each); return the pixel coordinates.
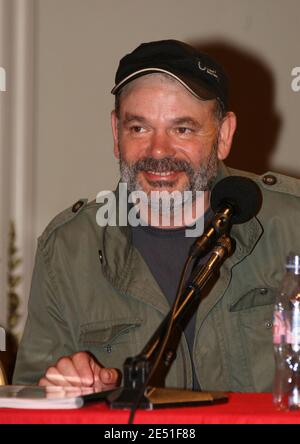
(17, 230)
(78, 47)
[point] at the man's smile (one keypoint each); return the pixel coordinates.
(153, 176)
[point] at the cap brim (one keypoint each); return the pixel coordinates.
(196, 88)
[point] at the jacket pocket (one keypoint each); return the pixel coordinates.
(104, 332)
(253, 316)
(256, 297)
(112, 341)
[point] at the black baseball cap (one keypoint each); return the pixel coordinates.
(196, 71)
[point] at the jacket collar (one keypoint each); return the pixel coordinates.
(124, 267)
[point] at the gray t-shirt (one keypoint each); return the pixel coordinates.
(165, 252)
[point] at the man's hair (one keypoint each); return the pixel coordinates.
(218, 110)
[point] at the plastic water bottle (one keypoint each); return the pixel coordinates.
(286, 338)
(293, 339)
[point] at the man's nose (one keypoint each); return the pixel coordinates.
(160, 145)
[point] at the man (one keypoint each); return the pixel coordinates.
(98, 294)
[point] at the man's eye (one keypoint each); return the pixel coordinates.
(184, 130)
(137, 129)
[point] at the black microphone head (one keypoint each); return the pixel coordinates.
(241, 193)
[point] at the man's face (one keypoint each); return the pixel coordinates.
(165, 138)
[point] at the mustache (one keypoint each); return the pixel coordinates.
(162, 165)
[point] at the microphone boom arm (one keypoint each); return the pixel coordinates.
(137, 369)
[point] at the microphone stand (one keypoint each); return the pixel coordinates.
(136, 370)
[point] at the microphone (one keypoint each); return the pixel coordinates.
(234, 200)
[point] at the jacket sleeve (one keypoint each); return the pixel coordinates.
(44, 334)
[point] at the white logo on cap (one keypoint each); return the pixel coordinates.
(211, 72)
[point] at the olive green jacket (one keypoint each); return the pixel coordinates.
(92, 290)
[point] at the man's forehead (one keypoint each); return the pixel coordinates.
(159, 80)
(149, 80)
(177, 120)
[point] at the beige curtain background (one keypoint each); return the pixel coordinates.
(16, 148)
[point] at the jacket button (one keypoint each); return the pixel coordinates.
(268, 324)
(77, 206)
(108, 348)
(269, 179)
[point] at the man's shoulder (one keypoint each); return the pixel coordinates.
(272, 182)
(70, 219)
(280, 197)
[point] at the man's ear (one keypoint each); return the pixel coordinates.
(226, 132)
(114, 126)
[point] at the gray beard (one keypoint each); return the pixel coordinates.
(200, 179)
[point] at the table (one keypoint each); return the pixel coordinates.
(242, 408)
